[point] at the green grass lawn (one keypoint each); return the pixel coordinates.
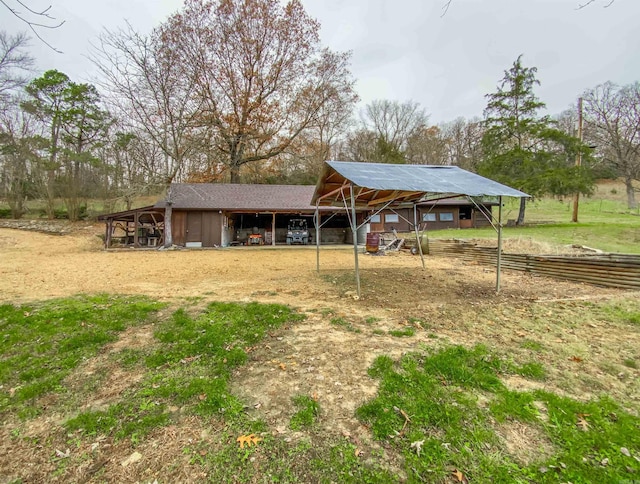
(437, 416)
(603, 224)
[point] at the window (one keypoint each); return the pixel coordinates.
(429, 217)
(446, 216)
(391, 218)
(375, 219)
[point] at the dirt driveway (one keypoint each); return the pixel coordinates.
(35, 266)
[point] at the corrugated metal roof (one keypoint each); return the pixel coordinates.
(415, 182)
(229, 196)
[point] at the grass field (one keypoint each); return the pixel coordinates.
(604, 222)
(442, 413)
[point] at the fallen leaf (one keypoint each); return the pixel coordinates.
(282, 366)
(135, 457)
(604, 462)
(358, 452)
(418, 446)
(63, 455)
(189, 359)
(250, 440)
(576, 359)
(460, 476)
(202, 396)
(583, 424)
(625, 451)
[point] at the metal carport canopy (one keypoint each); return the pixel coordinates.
(370, 185)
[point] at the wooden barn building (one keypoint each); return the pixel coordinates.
(221, 215)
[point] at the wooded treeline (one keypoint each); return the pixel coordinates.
(242, 91)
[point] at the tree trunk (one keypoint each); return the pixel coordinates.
(631, 196)
(235, 174)
(50, 195)
(168, 238)
(523, 206)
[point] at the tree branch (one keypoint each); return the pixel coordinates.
(32, 25)
(589, 2)
(445, 8)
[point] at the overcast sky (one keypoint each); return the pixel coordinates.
(405, 50)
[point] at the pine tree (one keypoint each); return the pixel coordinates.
(525, 150)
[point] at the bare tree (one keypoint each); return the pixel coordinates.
(15, 62)
(262, 77)
(612, 116)
(394, 122)
(428, 146)
(149, 87)
(464, 142)
(360, 145)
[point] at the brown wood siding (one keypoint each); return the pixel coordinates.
(401, 225)
(479, 220)
(442, 224)
(179, 228)
(211, 229)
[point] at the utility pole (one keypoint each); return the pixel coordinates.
(576, 196)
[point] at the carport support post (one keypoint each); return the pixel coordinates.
(415, 228)
(354, 230)
(316, 220)
(499, 255)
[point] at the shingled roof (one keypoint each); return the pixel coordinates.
(238, 197)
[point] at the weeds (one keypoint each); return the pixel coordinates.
(428, 408)
(343, 323)
(402, 333)
(308, 411)
(43, 343)
(191, 368)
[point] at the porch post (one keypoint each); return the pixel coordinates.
(135, 230)
(499, 255)
(354, 230)
(107, 235)
(273, 230)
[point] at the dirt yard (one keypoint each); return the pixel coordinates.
(457, 300)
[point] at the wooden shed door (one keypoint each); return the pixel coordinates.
(211, 229)
(194, 226)
(179, 227)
